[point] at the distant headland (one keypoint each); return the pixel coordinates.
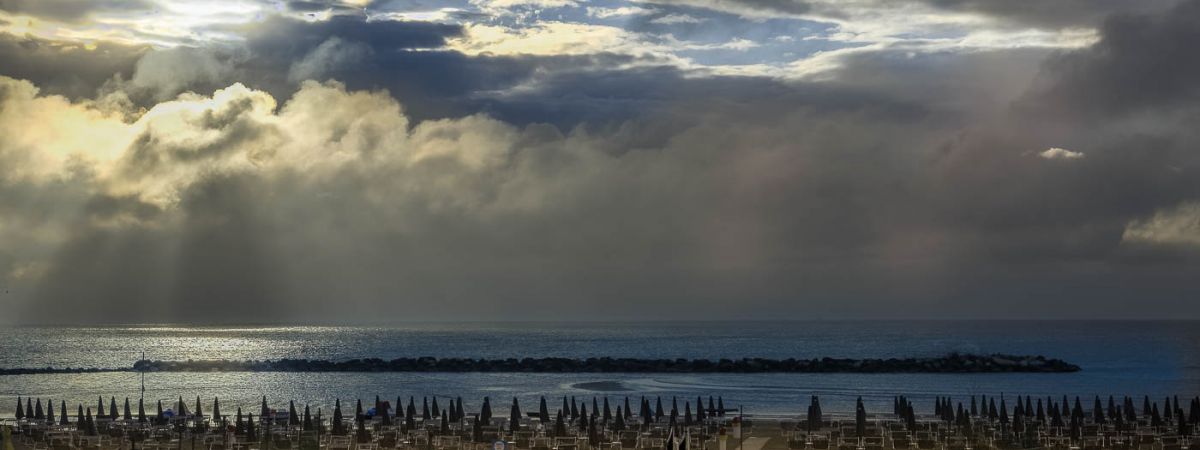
(951, 363)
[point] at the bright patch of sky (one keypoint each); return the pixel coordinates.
(691, 34)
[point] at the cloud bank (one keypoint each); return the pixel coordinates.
(347, 169)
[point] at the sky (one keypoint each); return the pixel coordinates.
(385, 161)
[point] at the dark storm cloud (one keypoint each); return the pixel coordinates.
(65, 68)
(1053, 14)
(1141, 62)
(72, 10)
(1042, 14)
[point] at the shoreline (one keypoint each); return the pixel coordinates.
(953, 363)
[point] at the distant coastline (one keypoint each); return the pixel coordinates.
(952, 363)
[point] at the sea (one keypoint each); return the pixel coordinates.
(1135, 358)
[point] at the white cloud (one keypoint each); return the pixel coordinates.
(546, 38)
(624, 11)
(672, 19)
(1176, 226)
(1060, 153)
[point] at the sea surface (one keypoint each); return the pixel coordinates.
(1155, 358)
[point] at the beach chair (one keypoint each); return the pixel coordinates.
(797, 441)
(872, 443)
(651, 443)
(819, 442)
(848, 443)
(339, 443)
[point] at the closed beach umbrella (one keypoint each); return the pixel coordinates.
(1098, 411)
(128, 413)
(565, 407)
(264, 411)
(514, 416)
(560, 426)
(425, 414)
(91, 423)
(445, 424)
(112, 408)
(251, 435)
(199, 412)
(658, 409)
(461, 414)
(216, 409)
(687, 414)
(699, 409)
(477, 429)
(574, 409)
(485, 411)
(28, 408)
(629, 412)
(358, 411)
(38, 413)
(412, 408)
(239, 427)
(141, 411)
(619, 424)
(1041, 414)
(100, 407)
(543, 411)
(860, 418)
(712, 409)
(158, 418)
(20, 409)
(583, 417)
(50, 411)
(816, 410)
(62, 413)
(338, 429)
(308, 425)
(808, 419)
(721, 407)
(80, 422)
(974, 409)
(607, 411)
(436, 409)
(319, 423)
(293, 415)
